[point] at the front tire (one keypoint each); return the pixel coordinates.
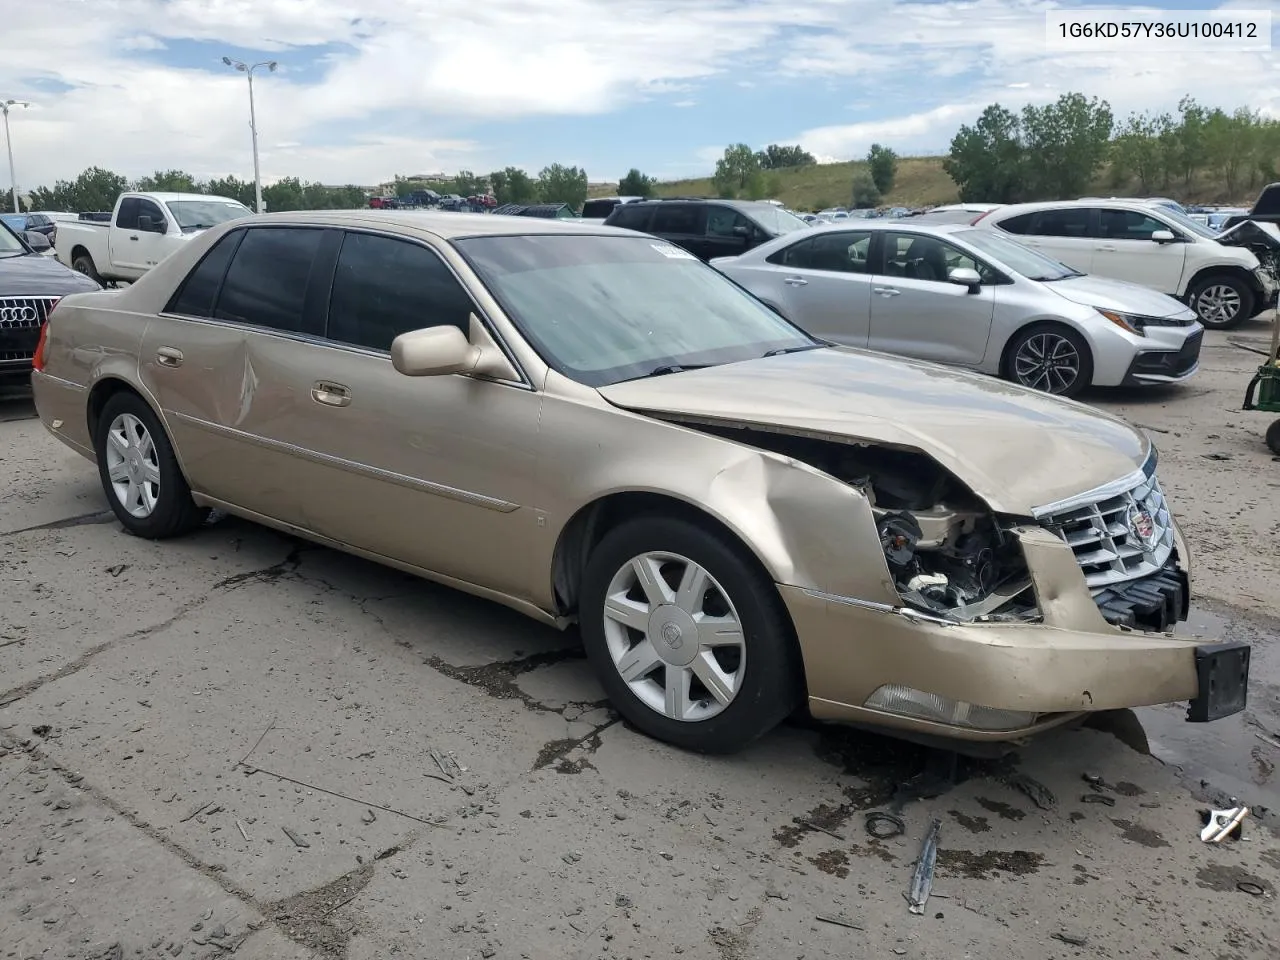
(139, 472)
(1052, 358)
(1221, 302)
(688, 635)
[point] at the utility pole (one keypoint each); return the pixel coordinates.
(5, 106)
(247, 70)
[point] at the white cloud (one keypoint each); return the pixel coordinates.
(422, 69)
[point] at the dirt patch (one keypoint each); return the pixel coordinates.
(1127, 789)
(834, 862)
(1139, 834)
(874, 848)
(498, 680)
(735, 943)
(309, 918)
(1083, 876)
(972, 824)
(824, 816)
(556, 751)
(1227, 879)
(1075, 816)
(1002, 810)
(1271, 858)
(980, 866)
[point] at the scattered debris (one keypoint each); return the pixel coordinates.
(922, 879)
(368, 817)
(116, 570)
(297, 840)
(1268, 740)
(257, 743)
(1216, 456)
(810, 825)
(43, 730)
(1039, 794)
(243, 832)
(882, 826)
(196, 812)
(1221, 824)
(34, 855)
(1251, 888)
(1098, 798)
(1075, 939)
(838, 921)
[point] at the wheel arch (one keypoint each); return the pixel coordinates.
(112, 385)
(80, 250)
(1235, 271)
(1006, 352)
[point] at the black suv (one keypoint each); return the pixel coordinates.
(707, 228)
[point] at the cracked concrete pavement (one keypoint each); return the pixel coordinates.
(237, 743)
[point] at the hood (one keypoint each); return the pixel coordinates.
(1016, 448)
(34, 275)
(1251, 234)
(1118, 295)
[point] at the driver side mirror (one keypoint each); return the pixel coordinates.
(966, 277)
(1163, 236)
(36, 240)
(439, 351)
(148, 224)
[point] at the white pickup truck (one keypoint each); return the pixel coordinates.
(143, 229)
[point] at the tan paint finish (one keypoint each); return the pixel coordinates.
(472, 482)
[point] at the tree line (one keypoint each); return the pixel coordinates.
(1057, 150)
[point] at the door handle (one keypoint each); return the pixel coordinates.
(169, 357)
(1105, 246)
(888, 291)
(133, 236)
(796, 281)
(332, 394)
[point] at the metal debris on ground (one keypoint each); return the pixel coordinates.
(838, 921)
(1098, 798)
(196, 812)
(1221, 824)
(1075, 939)
(243, 832)
(922, 879)
(368, 817)
(43, 730)
(810, 825)
(882, 826)
(297, 840)
(1039, 794)
(1251, 888)
(1268, 740)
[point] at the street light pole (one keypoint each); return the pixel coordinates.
(5, 106)
(247, 70)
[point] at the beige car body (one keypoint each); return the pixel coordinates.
(498, 480)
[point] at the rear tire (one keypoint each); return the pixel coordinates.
(139, 472)
(84, 264)
(1222, 302)
(653, 657)
(1051, 358)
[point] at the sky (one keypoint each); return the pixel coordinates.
(369, 89)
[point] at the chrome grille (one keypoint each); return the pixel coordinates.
(1126, 533)
(25, 313)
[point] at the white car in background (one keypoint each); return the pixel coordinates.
(1147, 243)
(973, 298)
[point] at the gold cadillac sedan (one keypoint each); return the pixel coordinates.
(589, 425)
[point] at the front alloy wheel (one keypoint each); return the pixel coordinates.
(674, 636)
(133, 465)
(1048, 362)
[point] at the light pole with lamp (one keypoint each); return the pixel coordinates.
(5, 106)
(247, 70)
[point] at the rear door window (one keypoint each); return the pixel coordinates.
(1127, 225)
(632, 216)
(1067, 222)
(833, 252)
(678, 218)
(267, 283)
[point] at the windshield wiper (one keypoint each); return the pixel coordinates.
(781, 350)
(676, 368)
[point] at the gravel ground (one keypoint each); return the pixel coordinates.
(238, 743)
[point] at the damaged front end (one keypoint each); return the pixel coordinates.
(1262, 239)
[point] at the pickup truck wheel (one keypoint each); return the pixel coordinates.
(1221, 302)
(688, 637)
(140, 474)
(84, 264)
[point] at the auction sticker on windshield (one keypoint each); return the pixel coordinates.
(672, 252)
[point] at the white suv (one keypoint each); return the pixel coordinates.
(1147, 244)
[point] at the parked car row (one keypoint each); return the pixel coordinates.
(590, 425)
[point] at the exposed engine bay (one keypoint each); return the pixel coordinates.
(1262, 239)
(948, 554)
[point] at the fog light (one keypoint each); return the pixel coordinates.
(907, 702)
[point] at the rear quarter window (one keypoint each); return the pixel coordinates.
(198, 293)
(1020, 224)
(631, 216)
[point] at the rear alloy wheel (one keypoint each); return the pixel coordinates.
(1221, 302)
(139, 472)
(690, 640)
(1053, 359)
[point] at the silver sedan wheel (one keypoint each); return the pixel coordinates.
(1218, 304)
(674, 636)
(133, 466)
(1048, 362)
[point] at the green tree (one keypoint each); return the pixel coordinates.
(773, 186)
(94, 189)
(782, 156)
(865, 192)
(636, 184)
(1191, 141)
(1064, 143)
(168, 181)
(883, 165)
(285, 194)
(735, 170)
(1229, 146)
(1135, 152)
(513, 185)
(233, 188)
(560, 184)
(466, 184)
(987, 160)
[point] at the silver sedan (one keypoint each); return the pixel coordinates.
(972, 298)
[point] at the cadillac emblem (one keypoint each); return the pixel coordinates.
(1142, 526)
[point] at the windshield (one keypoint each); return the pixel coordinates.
(203, 214)
(10, 245)
(605, 309)
(1184, 221)
(1030, 263)
(776, 220)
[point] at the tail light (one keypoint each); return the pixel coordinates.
(37, 358)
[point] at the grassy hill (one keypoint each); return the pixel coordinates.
(920, 182)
